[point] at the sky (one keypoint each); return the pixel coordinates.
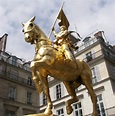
(85, 16)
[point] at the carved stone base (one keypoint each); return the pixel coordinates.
(40, 114)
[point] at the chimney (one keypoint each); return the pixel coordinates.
(3, 41)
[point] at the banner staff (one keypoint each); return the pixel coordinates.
(56, 20)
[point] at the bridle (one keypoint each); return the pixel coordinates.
(36, 33)
(30, 30)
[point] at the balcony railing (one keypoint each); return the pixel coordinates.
(93, 56)
(16, 78)
(86, 44)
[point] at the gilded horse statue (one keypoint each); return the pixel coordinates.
(50, 61)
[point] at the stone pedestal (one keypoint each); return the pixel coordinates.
(40, 114)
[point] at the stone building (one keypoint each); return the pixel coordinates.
(17, 92)
(100, 56)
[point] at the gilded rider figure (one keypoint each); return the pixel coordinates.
(62, 40)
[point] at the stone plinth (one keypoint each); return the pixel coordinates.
(40, 114)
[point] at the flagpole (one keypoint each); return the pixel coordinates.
(77, 32)
(56, 20)
(75, 28)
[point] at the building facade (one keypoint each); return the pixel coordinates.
(100, 56)
(17, 91)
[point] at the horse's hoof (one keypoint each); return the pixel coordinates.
(69, 109)
(47, 111)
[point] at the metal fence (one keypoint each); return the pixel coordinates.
(16, 78)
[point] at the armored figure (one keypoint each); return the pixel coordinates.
(62, 40)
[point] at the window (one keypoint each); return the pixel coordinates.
(101, 110)
(27, 67)
(60, 112)
(87, 41)
(29, 81)
(12, 93)
(14, 60)
(9, 113)
(95, 74)
(44, 99)
(89, 56)
(29, 98)
(14, 74)
(58, 91)
(94, 77)
(78, 109)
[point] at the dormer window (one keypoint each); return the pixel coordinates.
(14, 60)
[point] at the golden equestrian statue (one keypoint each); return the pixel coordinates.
(58, 63)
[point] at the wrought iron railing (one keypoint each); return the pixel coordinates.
(93, 56)
(9, 75)
(86, 44)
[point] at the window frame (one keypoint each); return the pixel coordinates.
(94, 75)
(58, 91)
(14, 74)
(101, 110)
(29, 98)
(29, 80)
(89, 56)
(44, 100)
(78, 109)
(14, 60)
(12, 93)
(60, 112)
(10, 113)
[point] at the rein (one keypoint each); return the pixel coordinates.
(30, 30)
(44, 40)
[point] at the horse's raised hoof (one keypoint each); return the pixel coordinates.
(47, 111)
(69, 109)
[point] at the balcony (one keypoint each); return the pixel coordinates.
(93, 56)
(12, 77)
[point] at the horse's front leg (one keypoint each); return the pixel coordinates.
(47, 94)
(42, 74)
(36, 79)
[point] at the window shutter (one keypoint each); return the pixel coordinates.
(97, 73)
(54, 91)
(41, 99)
(93, 55)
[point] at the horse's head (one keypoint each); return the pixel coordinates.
(29, 29)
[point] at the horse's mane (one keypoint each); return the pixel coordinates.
(43, 35)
